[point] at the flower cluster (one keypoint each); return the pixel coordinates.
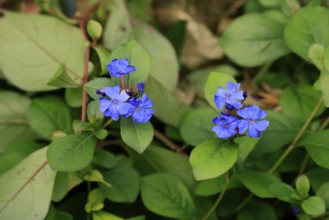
(122, 100)
(235, 120)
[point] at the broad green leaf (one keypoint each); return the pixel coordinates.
(125, 183)
(318, 176)
(284, 192)
(33, 47)
(257, 182)
(298, 102)
(138, 136)
(64, 182)
(173, 133)
(326, 58)
(214, 186)
(213, 158)
(316, 54)
(303, 185)
(138, 9)
(216, 79)
(166, 195)
(93, 85)
(308, 26)
(101, 215)
(323, 193)
(317, 147)
(49, 114)
(137, 57)
(104, 159)
(290, 7)
(72, 152)
(314, 205)
(196, 125)
(323, 86)
(15, 153)
(166, 105)
(95, 200)
(246, 145)
(54, 214)
(163, 160)
(103, 56)
(25, 190)
(13, 122)
(282, 130)
(270, 3)
(95, 176)
(73, 97)
(101, 134)
(94, 115)
(254, 40)
(257, 210)
(94, 29)
(62, 79)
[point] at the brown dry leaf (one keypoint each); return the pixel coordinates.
(185, 93)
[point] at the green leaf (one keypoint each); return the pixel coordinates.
(163, 160)
(270, 3)
(257, 182)
(282, 130)
(64, 182)
(13, 122)
(125, 183)
(216, 79)
(214, 186)
(96, 84)
(15, 153)
(303, 185)
(137, 57)
(101, 215)
(165, 103)
(317, 147)
(323, 193)
(138, 136)
(318, 176)
(257, 210)
(62, 79)
(323, 86)
(213, 158)
(246, 145)
(298, 102)
(104, 159)
(166, 195)
(196, 125)
(254, 40)
(326, 58)
(95, 176)
(284, 192)
(50, 42)
(314, 205)
(18, 195)
(290, 7)
(71, 153)
(73, 97)
(103, 56)
(308, 26)
(316, 54)
(49, 114)
(101, 134)
(94, 115)
(94, 29)
(95, 200)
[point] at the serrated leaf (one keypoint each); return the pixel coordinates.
(18, 195)
(13, 118)
(214, 80)
(72, 152)
(138, 136)
(263, 44)
(213, 158)
(50, 44)
(165, 195)
(49, 114)
(308, 26)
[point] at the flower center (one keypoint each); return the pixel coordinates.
(251, 121)
(138, 109)
(227, 125)
(115, 102)
(228, 96)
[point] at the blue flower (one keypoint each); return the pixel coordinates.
(142, 109)
(117, 104)
(232, 96)
(226, 125)
(140, 86)
(118, 68)
(251, 120)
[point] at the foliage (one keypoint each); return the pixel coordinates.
(103, 117)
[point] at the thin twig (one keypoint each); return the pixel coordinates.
(169, 143)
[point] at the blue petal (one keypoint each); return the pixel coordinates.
(112, 112)
(112, 68)
(104, 104)
(129, 69)
(135, 101)
(112, 92)
(231, 87)
(140, 86)
(221, 92)
(123, 96)
(253, 132)
(125, 108)
(220, 102)
(234, 103)
(146, 102)
(237, 95)
(143, 115)
(261, 125)
(246, 113)
(243, 126)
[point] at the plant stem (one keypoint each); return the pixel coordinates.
(85, 68)
(219, 199)
(262, 71)
(298, 136)
(168, 142)
(245, 202)
(324, 124)
(107, 123)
